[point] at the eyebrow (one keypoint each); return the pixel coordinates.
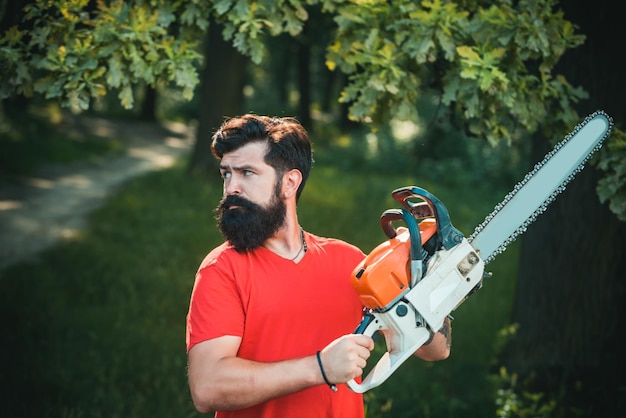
(236, 168)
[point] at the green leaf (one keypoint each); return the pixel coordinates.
(115, 74)
(126, 96)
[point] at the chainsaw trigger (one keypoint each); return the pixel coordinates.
(368, 325)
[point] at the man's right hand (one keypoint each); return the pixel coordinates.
(346, 357)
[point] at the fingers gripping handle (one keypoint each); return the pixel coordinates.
(400, 344)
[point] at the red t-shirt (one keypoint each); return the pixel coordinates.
(281, 310)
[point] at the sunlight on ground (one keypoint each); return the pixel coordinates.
(10, 204)
(156, 158)
(54, 206)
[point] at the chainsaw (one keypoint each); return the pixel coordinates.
(411, 282)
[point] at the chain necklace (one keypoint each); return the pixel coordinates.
(303, 247)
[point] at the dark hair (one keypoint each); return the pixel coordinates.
(288, 142)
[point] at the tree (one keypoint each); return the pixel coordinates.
(492, 66)
(221, 94)
(571, 265)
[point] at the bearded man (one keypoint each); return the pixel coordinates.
(272, 311)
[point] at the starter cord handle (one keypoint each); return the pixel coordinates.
(319, 361)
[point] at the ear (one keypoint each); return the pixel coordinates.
(291, 182)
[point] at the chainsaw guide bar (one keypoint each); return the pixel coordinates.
(540, 187)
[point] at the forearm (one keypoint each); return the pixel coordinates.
(235, 383)
(439, 346)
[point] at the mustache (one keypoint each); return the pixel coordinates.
(234, 200)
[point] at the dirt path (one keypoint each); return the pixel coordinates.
(53, 205)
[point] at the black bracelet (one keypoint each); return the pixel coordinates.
(319, 361)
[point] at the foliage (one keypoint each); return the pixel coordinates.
(490, 65)
(435, 151)
(612, 187)
(67, 50)
(511, 403)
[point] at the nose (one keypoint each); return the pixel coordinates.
(231, 186)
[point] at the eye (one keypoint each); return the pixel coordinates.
(247, 173)
(225, 174)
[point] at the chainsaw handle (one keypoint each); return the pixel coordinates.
(401, 344)
(386, 222)
(417, 252)
(449, 235)
(387, 219)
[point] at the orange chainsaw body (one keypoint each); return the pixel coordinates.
(385, 273)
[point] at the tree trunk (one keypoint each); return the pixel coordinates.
(304, 79)
(148, 110)
(221, 95)
(571, 288)
(282, 51)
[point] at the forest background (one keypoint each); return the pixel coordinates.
(480, 74)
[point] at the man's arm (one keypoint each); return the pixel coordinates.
(219, 380)
(439, 346)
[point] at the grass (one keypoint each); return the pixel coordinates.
(95, 328)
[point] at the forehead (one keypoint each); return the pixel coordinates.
(251, 153)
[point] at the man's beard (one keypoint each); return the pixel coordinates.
(248, 225)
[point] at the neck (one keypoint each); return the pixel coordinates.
(303, 247)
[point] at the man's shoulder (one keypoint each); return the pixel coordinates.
(224, 250)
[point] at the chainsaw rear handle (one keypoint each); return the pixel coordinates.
(400, 344)
(448, 234)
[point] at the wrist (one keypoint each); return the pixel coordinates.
(332, 386)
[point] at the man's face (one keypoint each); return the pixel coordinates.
(252, 208)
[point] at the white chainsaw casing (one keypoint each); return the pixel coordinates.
(450, 278)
